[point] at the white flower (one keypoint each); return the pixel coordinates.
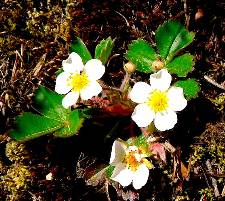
(79, 80)
(158, 101)
(130, 165)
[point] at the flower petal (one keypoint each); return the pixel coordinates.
(122, 174)
(73, 63)
(140, 177)
(143, 115)
(176, 102)
(70, 99)
(118, 152)
(140, 92)
(160, 80)
(93, 89)
(165, 120)
(94, 69)
(62, 86)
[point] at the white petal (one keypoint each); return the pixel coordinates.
(62, 86)
(122, 175)
(118, 152)
(176, 102)
(140, 92)
(73, 63)
(70, 99)
(143, 115)
(165, 120)
(92, 90)
(94, 69)
(160, 80)
(140, 177)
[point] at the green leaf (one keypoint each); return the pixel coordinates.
(181, 65)
(142, 55)
(72, 124)
(29, 126)
(104, 49)
(191, 88)
(80, 48)
(50, 104)
(171, 37)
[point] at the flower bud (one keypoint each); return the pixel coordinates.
(199, 14)
(129, 67)
(157, 65)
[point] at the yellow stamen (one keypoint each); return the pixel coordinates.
(78, 81)
(158, 101)
(131, 161)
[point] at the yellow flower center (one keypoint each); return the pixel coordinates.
(158, 101)
(131, 160)
(79, 81)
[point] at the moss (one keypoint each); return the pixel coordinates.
(219, 101)
(207, 194)
(15, 151)
(198, 154)
(16, 181)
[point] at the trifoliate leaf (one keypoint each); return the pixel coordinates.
(80, 48)
(29, 126)
(73, 123)
(49, 103)
(104, 49)
(191, 88)
(181, 65)
(142, 55)
(172, 37)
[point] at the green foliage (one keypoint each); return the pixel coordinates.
(171, 37)
(80, 48)
(29, 126)
(73, 123)
(181, 65)
(54, 118)
(104, 49)
(142, 55)
(49, 103)
(190, 87)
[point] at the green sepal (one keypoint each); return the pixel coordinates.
(181, 65)
(49, 103)
(59, 71)
(142, 55)
(80, 48)
(30, 126)
(191, 88)
(104, 49)
(72, 124)
(109, 170)
(171, 37)
(139, 141)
